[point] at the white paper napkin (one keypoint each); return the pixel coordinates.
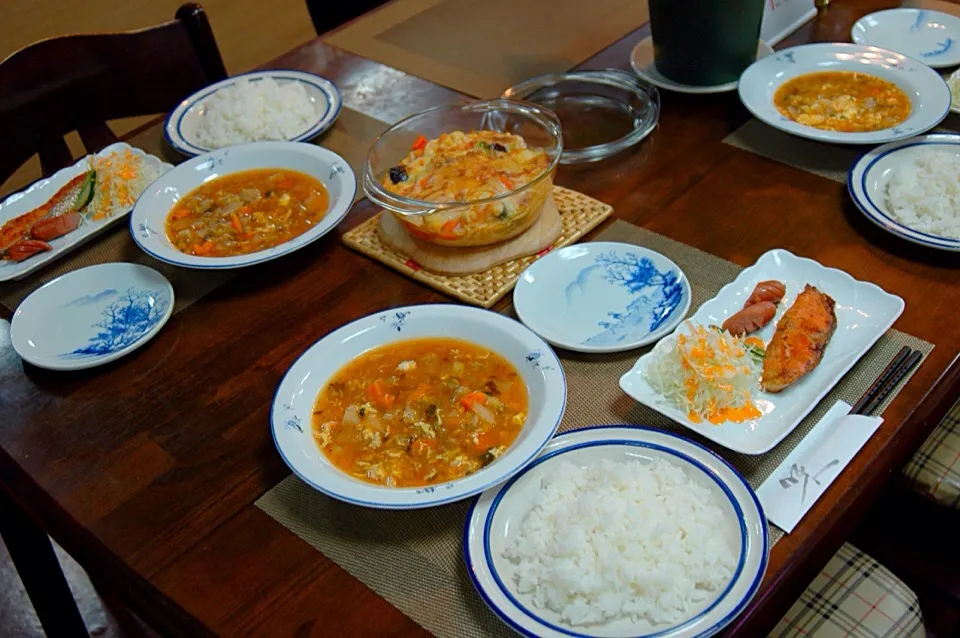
(811, 467)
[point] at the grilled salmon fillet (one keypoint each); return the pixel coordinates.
(799, 340)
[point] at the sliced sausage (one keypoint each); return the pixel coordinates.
(772, 291)
(750, 319)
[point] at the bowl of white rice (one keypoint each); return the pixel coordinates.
(618, 531)
(911, 189)
(275, 105)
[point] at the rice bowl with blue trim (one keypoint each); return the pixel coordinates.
(618, 531)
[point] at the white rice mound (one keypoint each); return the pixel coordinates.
(250, 111)
(924, 193)
(625, 540)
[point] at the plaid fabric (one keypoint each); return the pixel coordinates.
(854, 596)
(934, 470)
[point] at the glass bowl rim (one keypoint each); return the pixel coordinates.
(415, 207)
(616, 78)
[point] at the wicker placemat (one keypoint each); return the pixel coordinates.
(350, 137)
(414, 559)
(482, 47)
(580, 215)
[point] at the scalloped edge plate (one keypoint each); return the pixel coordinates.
(864, 313)
(42, 190)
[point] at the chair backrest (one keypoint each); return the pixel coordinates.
(328, 15)
(79, 82)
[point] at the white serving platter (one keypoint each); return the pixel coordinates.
(498, 513)
(864, 313)
(40, 192)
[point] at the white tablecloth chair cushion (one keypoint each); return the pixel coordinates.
(934, 471)
(854, 596)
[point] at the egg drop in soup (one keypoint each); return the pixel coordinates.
(844, 101)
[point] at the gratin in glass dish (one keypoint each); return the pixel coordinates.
(602, 112)
(519, 207)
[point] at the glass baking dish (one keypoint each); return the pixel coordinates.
(601, 112)
(512, 212)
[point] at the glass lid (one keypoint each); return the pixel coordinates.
(601, 112)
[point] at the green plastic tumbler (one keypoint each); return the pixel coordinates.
(705, 42)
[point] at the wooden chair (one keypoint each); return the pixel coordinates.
(79, 82)
(327, 15)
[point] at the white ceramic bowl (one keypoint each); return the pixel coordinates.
(147, 222)
(293, 403)
(602, 297)
(869, 176)
(181, 125)
(932, 37)
(499, 512)
(91, 316)
(928, 92)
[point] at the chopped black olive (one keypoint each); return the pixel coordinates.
(490, 387)
(487, 459)
(362, 411)
(497, 146)
(398, 174)
(431, 411)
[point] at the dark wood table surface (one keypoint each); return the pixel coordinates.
(146, 470)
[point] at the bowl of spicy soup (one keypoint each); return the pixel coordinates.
(418, 406)
(243, 205)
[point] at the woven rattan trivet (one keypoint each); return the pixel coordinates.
(580, 215)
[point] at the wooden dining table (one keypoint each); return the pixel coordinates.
(146, 470)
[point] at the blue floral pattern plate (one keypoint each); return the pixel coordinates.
(91, 316)
(602, 297)
(932, 37)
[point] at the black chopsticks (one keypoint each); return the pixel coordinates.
(898, 368)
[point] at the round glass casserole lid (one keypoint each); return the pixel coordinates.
(601, 112)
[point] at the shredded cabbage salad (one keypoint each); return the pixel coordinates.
(708, 373)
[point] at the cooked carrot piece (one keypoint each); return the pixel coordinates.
(419, 143)
(474, 397)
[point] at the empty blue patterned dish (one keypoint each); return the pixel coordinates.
(91, 316)
(602, 297)
(932, 37)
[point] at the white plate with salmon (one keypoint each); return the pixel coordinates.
(57, 214)
(753, 361)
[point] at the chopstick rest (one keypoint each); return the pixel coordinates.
(792, 489)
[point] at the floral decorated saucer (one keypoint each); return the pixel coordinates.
(602, 297)
(91, 316)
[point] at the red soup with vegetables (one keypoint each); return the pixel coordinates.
(246, 212)
(420, 412)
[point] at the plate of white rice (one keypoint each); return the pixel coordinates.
(275, 105)
(618, 531)
(911, 188)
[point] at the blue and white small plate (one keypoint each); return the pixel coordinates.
(182, 122)
(602, 297)
(91, 316)
(929, 36)
(868, 179)
(497, 514)
(291, 415)
(928, 91)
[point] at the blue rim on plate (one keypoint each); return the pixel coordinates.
(718, 626)
(275, 426)
(172, 126)
(857, 187)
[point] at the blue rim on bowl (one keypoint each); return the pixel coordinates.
(148, 218)
(173, 125)
(487, 564)
(294, 397)
(859, 187)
